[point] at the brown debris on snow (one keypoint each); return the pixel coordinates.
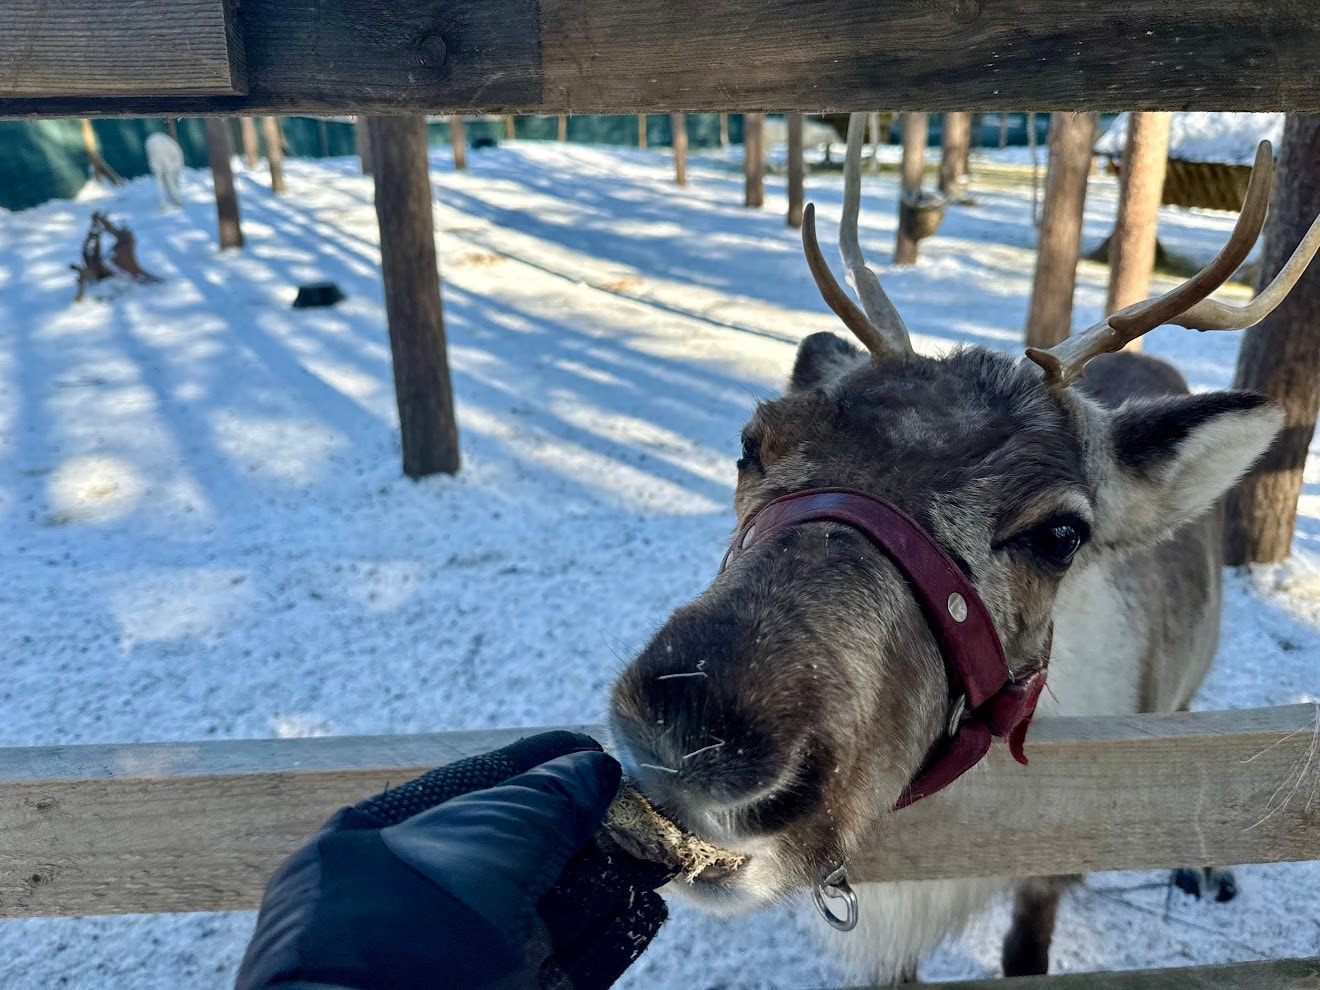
(123, 257)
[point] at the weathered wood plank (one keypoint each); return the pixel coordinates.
(367, 56)
(111, 48)
(1282, 974)
(623, 56)
(1200, 789)
(198, 826)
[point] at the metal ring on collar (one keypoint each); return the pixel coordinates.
(835, 885)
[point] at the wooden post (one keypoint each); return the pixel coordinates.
(323, 131)
(274, 152)
(641, 130)
(226, 198)
(98, 165)
(458, 141)
(510, 131)
(679, 139)
(724, 130)
(753, 159)
(1280, 357)
(1003, 130)
(957, 144)
(915, 128)
(1035, 169)
(362, 135)
(796, 169)
(1059, 245)
(172, 128)
(1141, 187)
(248, 128)
(563, 127)
(412, 296)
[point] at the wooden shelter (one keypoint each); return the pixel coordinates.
(1209, 155)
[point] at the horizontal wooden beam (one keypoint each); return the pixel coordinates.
(109, 48)
(630, 56)
(1132, 792)
(199, 826)
(1281, 974)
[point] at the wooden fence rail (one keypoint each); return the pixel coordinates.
(632, 56)
(108, 48)
(198, 826)
(1283, 974)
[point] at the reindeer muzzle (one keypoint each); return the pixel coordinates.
(986, 701)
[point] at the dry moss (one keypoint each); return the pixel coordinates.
(635, 824)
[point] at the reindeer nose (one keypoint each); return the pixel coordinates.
(686, 764)
(690, 731)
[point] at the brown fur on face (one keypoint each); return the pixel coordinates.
(782, 712)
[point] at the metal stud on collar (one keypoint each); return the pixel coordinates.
(835, 885)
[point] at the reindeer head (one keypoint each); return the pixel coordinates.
(783, 712)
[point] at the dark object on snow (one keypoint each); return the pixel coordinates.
(485, 141)
(122, 256)
(1209, 880)
(93, 269)
(318, 294)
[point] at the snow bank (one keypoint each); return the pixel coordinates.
(1222, 138)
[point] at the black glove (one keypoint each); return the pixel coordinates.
(478, 875)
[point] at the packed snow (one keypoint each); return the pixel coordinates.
(207, 535)
(1198, 136)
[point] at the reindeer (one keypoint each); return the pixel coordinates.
(789, 709)
(165, 159)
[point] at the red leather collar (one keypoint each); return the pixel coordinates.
(993, 704)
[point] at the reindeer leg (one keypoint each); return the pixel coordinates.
(1215, 881)
(1027, 945)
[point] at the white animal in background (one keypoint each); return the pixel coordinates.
(165, 159)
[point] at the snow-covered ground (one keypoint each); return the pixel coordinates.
(205, 534)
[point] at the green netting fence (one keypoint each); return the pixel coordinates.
(45, 159)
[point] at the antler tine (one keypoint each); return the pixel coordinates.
(846, 310)
(880, 327)
(880, 312)
(1065, 362)
(1209, 314)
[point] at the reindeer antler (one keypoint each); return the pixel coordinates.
(880, 327)
(1187, 305)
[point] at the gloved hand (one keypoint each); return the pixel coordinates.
(476, 876)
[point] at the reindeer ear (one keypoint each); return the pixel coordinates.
(1177, 456)
(823, 358)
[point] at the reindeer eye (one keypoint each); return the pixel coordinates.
(1056, 540)
(751, 453)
